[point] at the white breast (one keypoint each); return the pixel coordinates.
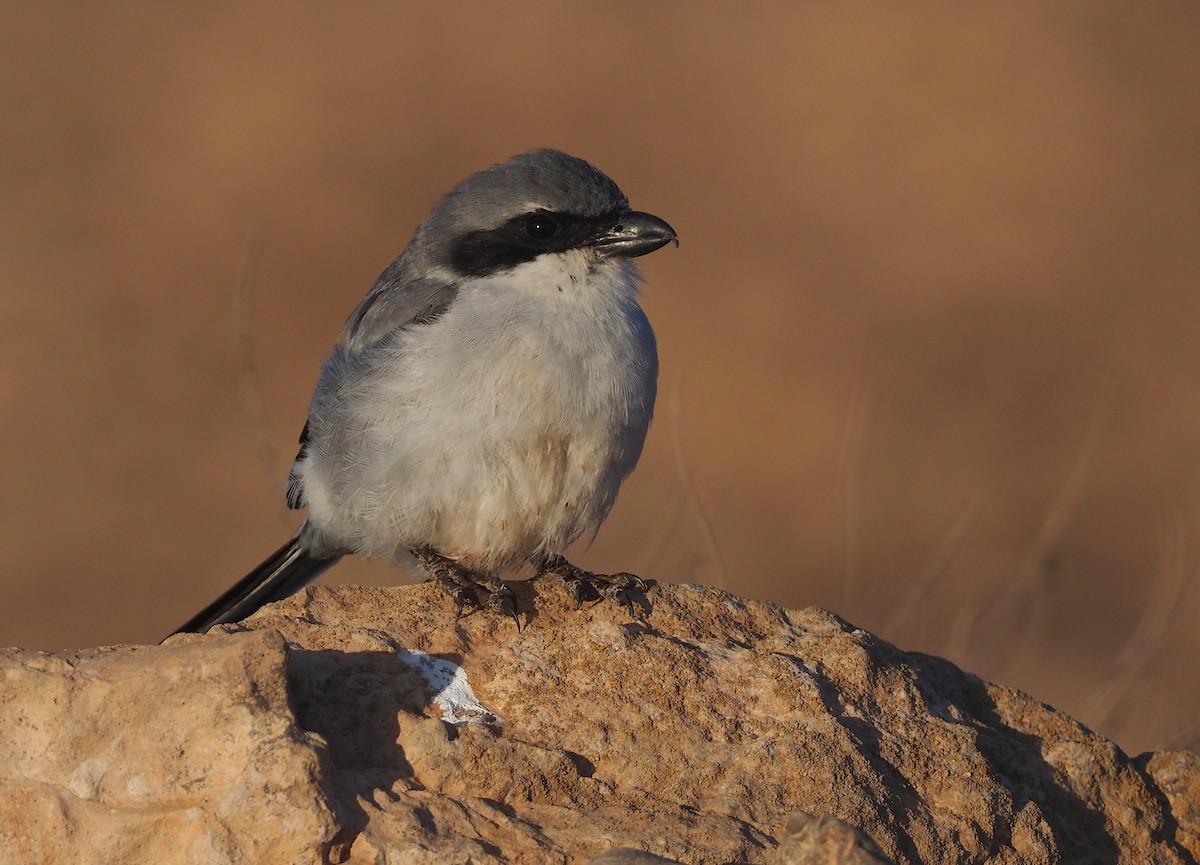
(497, 433)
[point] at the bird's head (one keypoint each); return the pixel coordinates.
(540, 202)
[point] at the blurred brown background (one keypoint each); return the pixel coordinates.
(930, 345)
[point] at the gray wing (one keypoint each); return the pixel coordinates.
(396, 302)
(295, 489)
(393, 303)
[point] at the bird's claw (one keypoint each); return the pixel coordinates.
(498, 598)
(576, 589)
(469, 591)
(621, 589)
(583, 585)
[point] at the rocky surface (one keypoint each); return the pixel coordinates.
(369, 726)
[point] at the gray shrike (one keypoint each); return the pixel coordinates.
(492, 391)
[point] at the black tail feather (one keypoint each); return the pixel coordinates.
(285, 572)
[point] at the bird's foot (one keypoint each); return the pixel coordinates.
(584, 585)
(468, 589)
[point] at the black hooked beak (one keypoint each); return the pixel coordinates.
(634, 233)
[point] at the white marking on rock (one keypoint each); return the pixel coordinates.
(451, 690)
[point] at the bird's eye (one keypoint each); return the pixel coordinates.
(539, 226)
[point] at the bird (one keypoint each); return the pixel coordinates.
(486, 399)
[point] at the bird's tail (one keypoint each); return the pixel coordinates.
(285, 571)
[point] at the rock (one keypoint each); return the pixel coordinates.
(811, 840)
(630, 856)
(1177, 774)
(181, 753)
(380, 730)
